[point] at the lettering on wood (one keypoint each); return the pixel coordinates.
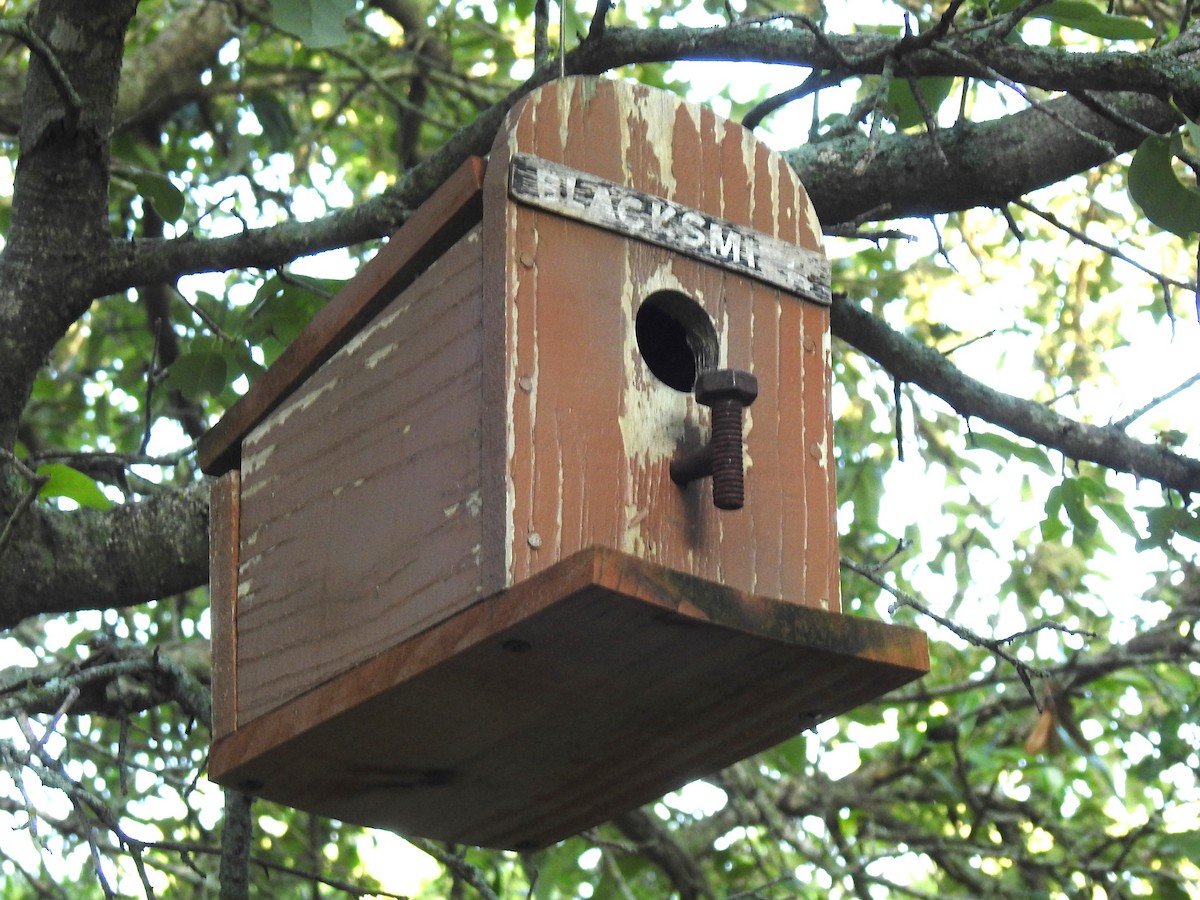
(657, 220)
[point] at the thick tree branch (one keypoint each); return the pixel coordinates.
(657, 845)
(91, 559)
(167, 70)
(59, 208)
(912, 361)
(972, 164)
(985, 164)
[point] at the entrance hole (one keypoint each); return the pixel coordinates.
(676, 338)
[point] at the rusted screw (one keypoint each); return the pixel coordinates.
(727, 392)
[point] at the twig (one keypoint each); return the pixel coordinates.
(875, 237)
(989, 72)
(1004, 27)
(24, 33)
(35, 485)
(1113, 115)
(993, 645)
(1161, 398)
(1108, 249)
(456, 864)
(123, 459)
(885, 84)
(814, 82)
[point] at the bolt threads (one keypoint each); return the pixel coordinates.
(725, 447)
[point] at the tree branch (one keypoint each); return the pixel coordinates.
(657, 845)
(92, 559)
(986, 164)
(914, 362)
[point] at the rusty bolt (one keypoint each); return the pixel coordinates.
(727, 392)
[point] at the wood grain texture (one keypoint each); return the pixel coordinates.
(441, 221)
(223, 528)
(360, 494)
(595, 686)
(592, 430)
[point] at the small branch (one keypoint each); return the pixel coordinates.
(987, 71)
(916, 363)
(599, 20)
(992, 645)
(1161, 398)
(458, 865)
(35, 485)
(236, 840)
(659, 847)
(1108, 249)
(1004, 26)
(814, 82)
(23, 32)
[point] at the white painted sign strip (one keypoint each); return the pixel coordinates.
(656, 220)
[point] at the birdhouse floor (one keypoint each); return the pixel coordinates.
(591, 688)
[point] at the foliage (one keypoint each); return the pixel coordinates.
(1002, 483)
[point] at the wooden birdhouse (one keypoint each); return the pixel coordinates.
(535, 521)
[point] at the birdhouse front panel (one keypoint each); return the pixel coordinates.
(645, 241)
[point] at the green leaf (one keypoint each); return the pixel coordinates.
(1088, 18)
(198, 373)
(1074, 498)
(72, 484)
(1165, 522)
(275, 119)
(1092, 20)
(167, 200)
(1053, 527)
(317, 23)
(1119, 515)
(905, 110)
(1010, 449)
(1155, 187)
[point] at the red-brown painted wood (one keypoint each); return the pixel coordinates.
(592, 430)
(595, 686)
(223, 509)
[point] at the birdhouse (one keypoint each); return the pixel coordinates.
(535, 521)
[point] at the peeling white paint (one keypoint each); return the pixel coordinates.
(287, 411)
(632, 541)
(381, 354)
(653, 414)
(356, 343)
(474, 503)
(255, 461)
(450, 510)
(660, 134)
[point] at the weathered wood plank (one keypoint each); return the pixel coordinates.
(360, 494)
(597, 685)
(443, 219)
(593, 430)
(223, 528)
(634, 214)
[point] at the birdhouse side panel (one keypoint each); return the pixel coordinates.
(360, 500)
